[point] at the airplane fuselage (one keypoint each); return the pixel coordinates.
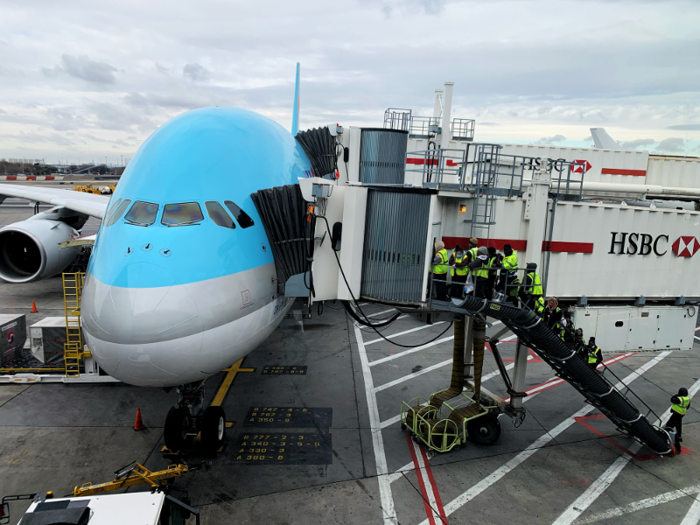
(185, 284)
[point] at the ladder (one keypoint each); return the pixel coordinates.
(73, 347)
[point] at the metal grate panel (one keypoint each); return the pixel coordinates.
(395, 239)
(383, 156)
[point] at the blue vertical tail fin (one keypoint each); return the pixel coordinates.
(295, 116)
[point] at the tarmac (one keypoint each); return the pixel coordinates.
(345, 458)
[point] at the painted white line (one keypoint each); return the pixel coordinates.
(383, 312)
(606, 479)
(500, 472)
(396, 475)
(411, 351)
(640, 505)
(422, 327)
(388, 510)
(693, 516)
(698, 338)
(391, 421)
(430, 369)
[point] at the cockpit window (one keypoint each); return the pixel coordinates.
(218, 215)
(111, 210)
(118, 212)
(182, 214)
(142, 213)
(242, 217)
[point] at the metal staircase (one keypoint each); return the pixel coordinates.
(73, 347)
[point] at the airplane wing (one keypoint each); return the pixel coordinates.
(87, 203)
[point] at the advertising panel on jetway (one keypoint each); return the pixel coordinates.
(620, 252)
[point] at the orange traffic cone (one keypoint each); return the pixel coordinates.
(34, 310)
(138, 424)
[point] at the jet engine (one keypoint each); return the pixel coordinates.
(30, 251)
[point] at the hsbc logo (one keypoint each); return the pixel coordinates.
(685, 246)
(623, 243)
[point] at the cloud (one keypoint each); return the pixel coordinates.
(672, 145)
(634, 144)
(83, 68)
(685, 127)
(488, 124)
(548, 141)
(195, 73)
(589, 138)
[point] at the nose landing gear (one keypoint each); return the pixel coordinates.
(189, 419)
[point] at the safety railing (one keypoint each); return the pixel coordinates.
(463, 129)
(499, 285)
(424, 127)
(437, 167)
(397, 118)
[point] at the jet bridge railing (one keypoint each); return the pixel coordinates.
(397, 118)
(437, 167)
(424, 127)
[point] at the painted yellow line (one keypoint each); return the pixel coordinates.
(226, 385)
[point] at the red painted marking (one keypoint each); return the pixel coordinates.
(430, 162)
(583, 481)
(421, 162)
(436, 493)
(517, 245)
(11, 177)
(31, 177)
(567, 247)
(555, 381)
(617, 171)
(520, 246)
(421, 483)
(581, 420)
(698, 328)
(49, 177)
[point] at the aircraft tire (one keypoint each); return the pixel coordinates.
(484, 430)
(213, 428)
(175, 429)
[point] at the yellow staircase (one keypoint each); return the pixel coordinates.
(73, 347)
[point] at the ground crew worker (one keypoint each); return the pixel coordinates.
(552, 314)
(595, 356)
(509, 273)
(479, 269)
(440, 268)
(494, 262)
(567, 330)
(681, 403)
(539, 306)
(471, 252)
(458, 271)
(532, 287)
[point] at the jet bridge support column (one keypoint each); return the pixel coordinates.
(521, 354)
(536, 215)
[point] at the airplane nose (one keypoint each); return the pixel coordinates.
(128, 328)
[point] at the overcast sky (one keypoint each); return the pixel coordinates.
(89, 79)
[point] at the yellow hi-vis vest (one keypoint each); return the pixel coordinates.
(482, 270)
(533, 285)
(684, 403)
(593, 355)
(459, 271)
(510, 262)
(441, 269)
(539, 306)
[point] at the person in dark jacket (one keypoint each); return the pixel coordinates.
(459, 271)
(680, 404)
(480, 272)
(553, 314)
(494, 261)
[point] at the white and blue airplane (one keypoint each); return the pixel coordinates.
(181, 282)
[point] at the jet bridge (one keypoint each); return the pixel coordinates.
(365, 228)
